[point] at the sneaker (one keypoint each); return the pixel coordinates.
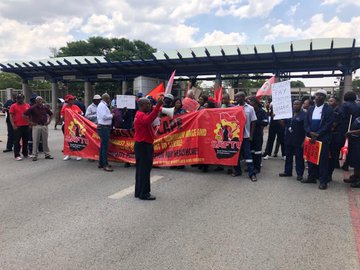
(31, 156)
(49, 157)
(34, 158)
(78, 158)
(266, 157)
(18, 158)
(67, 158)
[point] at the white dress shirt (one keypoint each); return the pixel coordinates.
(317, 112)
(104, 116)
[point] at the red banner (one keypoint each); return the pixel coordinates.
(210, 136)
(312, 151)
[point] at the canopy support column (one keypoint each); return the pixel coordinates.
(88, 93)
(26, 90)
(54, 94)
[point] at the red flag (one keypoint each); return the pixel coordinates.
(188, 88)
(157, 91)
(266, 88)
(218, 95)
(170, 83)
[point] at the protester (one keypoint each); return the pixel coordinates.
(70, 100)
(202, 100)
(307, 103)
(191, 94)
(178, 109)
(10, 130)
(91, 111)
(104, 118)
(168, 100)
(113, 101)
(257, 141)
(294, 139)
(144, 149)
(57, 116)
(210, 104)
(249, 129)
(30, 142)
(276, 130)
(354, 150)
(336, 136)
(20, 126)
(78, 102)
(318, 123)
(39, 117)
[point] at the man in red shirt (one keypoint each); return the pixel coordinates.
(20, 126)
(144, 150)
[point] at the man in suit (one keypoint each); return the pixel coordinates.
(318, 123)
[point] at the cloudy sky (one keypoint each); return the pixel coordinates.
(28, 28)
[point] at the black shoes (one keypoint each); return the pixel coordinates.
(355, 184)
(49, 157)
(7, 150)
(323, 186)
(149, 197)
(299, 178)
(285, 175)
(308, 181)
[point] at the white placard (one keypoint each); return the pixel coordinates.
(123, 101)
(281, 100)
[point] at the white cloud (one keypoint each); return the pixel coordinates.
(318, 28)
(293, 9)
(220, 38)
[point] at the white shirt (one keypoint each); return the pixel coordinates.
(104, 116)
(250, 117)
(317, 112)
(91, 113)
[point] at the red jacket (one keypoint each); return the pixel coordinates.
(143, 125)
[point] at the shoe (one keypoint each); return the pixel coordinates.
(229, 171)
(31, 156)
(323, 186)
(285, 175)
(18, 158)
(108, 169)
(266, 157)
(275, 155)
(67, 158)
(7, 150)
(100, 166)
(49, 157)
(355, 184)
(235, 174)
(308, 181)
(34, 159)
(299, 178)
(78, 158)
(219, 169)
(148, 198)
(127, 165)
(253, 178)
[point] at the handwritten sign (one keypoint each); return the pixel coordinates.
(190, 105)
(312, 151)
(123, 101)
(281, 100)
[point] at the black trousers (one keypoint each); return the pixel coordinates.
(273, 132)
(21, 133)
(144, 154)
(256, 150)
(321, 171)
(10, 136)
(335, 147)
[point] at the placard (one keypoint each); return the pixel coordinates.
(125, 101)
(312, 151)
(281, 100)
(190, 105)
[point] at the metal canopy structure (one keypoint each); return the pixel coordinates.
(304, 56)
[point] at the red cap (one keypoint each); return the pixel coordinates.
(68, 97)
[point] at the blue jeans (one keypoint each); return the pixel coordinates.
(104, 134)
(245, 151)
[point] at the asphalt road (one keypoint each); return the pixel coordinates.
(57, 214)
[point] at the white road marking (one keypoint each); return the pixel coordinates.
(127, 191)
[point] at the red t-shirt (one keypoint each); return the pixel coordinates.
(73, 108)
(143, 125)
(17, 111)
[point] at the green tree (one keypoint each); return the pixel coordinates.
(113, 48)
(356, 85)
(297, 84)
(10, 80)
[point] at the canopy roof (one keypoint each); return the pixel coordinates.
(327, 54)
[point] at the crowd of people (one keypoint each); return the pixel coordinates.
(320, 118)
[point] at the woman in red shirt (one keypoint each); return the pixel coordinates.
(144, 149)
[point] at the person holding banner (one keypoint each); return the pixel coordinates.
(294, 138)
(318, 123)
(144, 149)
(249, 129)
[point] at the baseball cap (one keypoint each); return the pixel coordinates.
(170, 96)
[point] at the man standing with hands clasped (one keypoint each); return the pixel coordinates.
(39, 117)
(144, 149)
(104, 119)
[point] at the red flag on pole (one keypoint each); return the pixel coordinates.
(188, 88)
(170, 83)
(218, 95)
(266, 88)
(157, 91)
